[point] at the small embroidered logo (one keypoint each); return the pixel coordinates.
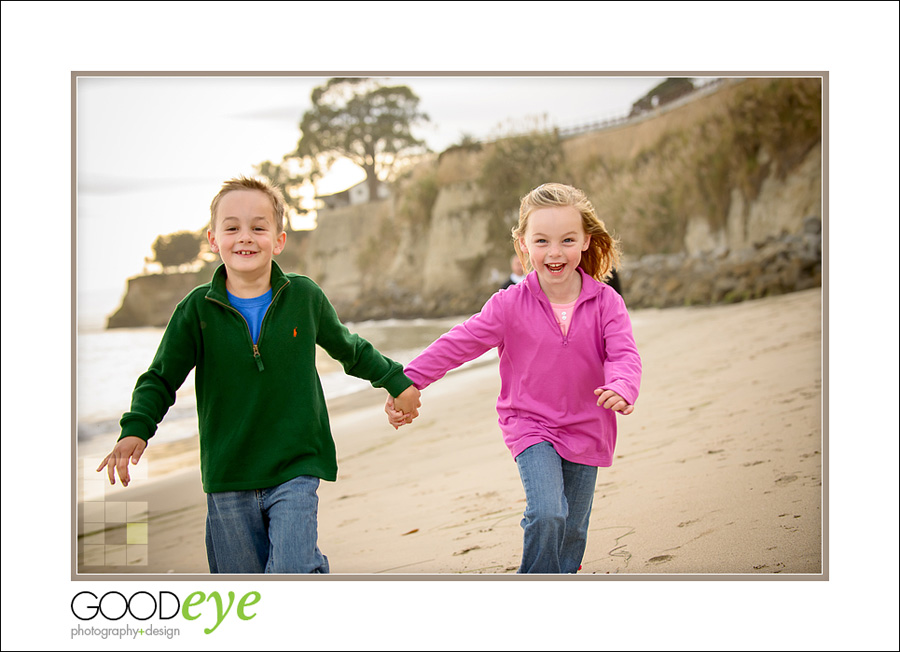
(295, 332)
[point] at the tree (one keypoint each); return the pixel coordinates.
(281, 176)
(177, 249)
(516, 164)
(358, 118)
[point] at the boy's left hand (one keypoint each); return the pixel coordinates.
(612, 401)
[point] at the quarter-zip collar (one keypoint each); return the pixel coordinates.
(590, 287)
(217, 291)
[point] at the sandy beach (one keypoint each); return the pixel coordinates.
(718, 471)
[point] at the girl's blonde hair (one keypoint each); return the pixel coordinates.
(249, 183)
(602, 255)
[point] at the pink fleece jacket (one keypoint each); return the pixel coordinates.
(547, 378)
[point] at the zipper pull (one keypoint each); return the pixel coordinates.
(258, 358)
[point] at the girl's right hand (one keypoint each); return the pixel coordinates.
(612, 401)
(395, 417)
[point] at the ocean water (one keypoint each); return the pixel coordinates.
(109, 362)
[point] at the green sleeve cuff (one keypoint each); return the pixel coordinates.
(137, 425)
(397, 384)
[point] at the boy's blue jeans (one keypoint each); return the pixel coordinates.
(559, 495)
(270, 530)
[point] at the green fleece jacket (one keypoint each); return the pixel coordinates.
(261, 407)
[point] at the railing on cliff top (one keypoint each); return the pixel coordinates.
(701, 87)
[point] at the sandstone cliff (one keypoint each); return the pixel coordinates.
(725, 185)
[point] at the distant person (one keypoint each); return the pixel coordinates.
(614, 283)
(265, 441)
(517, 275)
(568, 364)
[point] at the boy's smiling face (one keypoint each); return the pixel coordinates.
(245, 236)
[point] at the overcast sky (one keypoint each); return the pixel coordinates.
(139, 129)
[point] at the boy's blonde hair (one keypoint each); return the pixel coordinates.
(250, 183)
(602, 254)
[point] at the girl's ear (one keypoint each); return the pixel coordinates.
(526, 265)
(587, 242)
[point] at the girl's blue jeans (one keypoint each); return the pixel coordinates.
(271, 530)
(558, 499)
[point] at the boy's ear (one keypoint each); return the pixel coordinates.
(211, 238)
(279, 242)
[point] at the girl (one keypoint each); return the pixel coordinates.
(568, 363)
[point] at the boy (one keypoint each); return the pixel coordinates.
(265, 440)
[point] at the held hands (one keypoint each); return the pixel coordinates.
(612, 401)
(127, 448)
(404, 408)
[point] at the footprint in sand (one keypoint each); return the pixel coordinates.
(466, 550)
(660, 559)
